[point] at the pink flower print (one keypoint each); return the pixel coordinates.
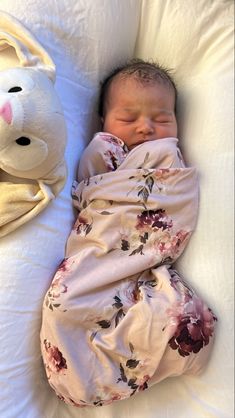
(143, 383)
(63, 265)
(129, 239)
(112, 139)
(163, 174)
(202, 319)
(57, 288)
(55, 362)
(55, 291)
(195, 326)
(79, 405)
(114, 157)
(171, 246)
(128, 294)
(153, 220)
(110, 161)
(163, 244)
(116, 397)
(82, 226)
(115, 154)
(180, 237)
(107, 396)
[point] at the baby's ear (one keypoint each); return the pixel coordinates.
(13, 35)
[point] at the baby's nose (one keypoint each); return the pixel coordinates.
(145, 126)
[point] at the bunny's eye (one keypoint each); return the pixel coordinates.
(14, 89)
(23, 141)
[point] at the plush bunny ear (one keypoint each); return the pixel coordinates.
(29, 52)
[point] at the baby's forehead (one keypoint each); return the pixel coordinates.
(124, 82)
(122, 79)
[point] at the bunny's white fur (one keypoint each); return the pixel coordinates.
(32, 128)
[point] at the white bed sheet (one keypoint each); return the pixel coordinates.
(86, 38)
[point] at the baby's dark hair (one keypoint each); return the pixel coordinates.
(144, 71)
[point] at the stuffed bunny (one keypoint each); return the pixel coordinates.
(32, 127)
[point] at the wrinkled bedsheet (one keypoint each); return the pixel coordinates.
(118, 317)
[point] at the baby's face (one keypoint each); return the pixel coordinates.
(137, 112)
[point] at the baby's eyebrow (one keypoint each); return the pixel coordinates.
(165, 111)
(157, 110)
(129, 109)
(125, 110)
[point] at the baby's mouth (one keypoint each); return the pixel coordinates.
(141, 141)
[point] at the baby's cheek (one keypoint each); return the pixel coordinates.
(168, 131)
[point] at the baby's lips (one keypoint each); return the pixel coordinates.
(6, 112)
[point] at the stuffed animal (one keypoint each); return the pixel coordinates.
(32, 127)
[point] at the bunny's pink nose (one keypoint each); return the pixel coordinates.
(6, 112)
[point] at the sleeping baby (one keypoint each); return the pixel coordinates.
(118, 317)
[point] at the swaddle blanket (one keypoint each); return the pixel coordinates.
(117, 317)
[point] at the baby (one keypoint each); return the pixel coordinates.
(137, 104)
(117, 317)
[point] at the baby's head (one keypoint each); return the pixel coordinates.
(137, 103)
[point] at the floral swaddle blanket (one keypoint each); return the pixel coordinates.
(118, 318)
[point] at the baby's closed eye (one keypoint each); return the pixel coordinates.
(127, 120)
